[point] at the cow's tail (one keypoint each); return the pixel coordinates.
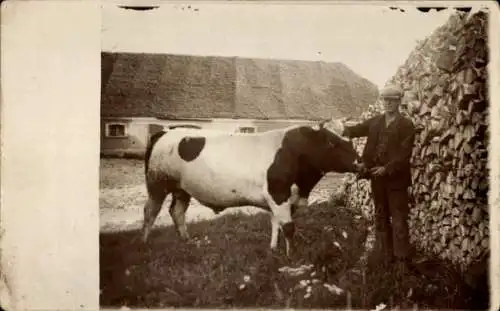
(149, 148)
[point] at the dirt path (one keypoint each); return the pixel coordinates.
(131, 218)
(121, 208)
(116, 219)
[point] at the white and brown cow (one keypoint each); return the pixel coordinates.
(274, 170)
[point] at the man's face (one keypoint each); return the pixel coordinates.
(391, 104)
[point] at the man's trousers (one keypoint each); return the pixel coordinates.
(391, 220)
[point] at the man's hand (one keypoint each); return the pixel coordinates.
(378, 171)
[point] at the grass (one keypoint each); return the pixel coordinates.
(208, 273)
(228, 264)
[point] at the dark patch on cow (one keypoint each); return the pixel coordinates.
(291, 166)
(304, 157)
(281, 175)
(152, 141)
(191, 147)
(307, 177)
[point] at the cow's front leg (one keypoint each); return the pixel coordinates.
(286, 223)
(274, 232)
(280, 203)
(282, 218)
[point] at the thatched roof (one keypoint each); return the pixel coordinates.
(159, 85)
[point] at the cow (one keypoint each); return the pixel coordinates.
(274, 170)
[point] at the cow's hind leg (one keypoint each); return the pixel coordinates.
(151, 209)
(178, 208)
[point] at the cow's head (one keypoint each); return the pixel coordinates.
(324, 147)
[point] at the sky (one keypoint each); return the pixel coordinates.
(372, 40)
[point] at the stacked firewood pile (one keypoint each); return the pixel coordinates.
(445, 83)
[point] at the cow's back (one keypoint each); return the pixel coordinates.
(227, 168)
(241, 151)
(218, 147)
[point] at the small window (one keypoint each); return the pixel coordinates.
(247, 129)
(116, 130)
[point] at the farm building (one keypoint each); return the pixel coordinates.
(143, 93)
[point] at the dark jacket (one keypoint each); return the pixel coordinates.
(401, 136)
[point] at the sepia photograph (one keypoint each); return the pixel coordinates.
(249, 154)
(294, 156)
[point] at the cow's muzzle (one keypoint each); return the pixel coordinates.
(359, 166)
(362, 172)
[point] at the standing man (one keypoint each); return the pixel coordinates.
(386, 156)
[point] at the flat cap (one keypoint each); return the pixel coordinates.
(391, 91)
